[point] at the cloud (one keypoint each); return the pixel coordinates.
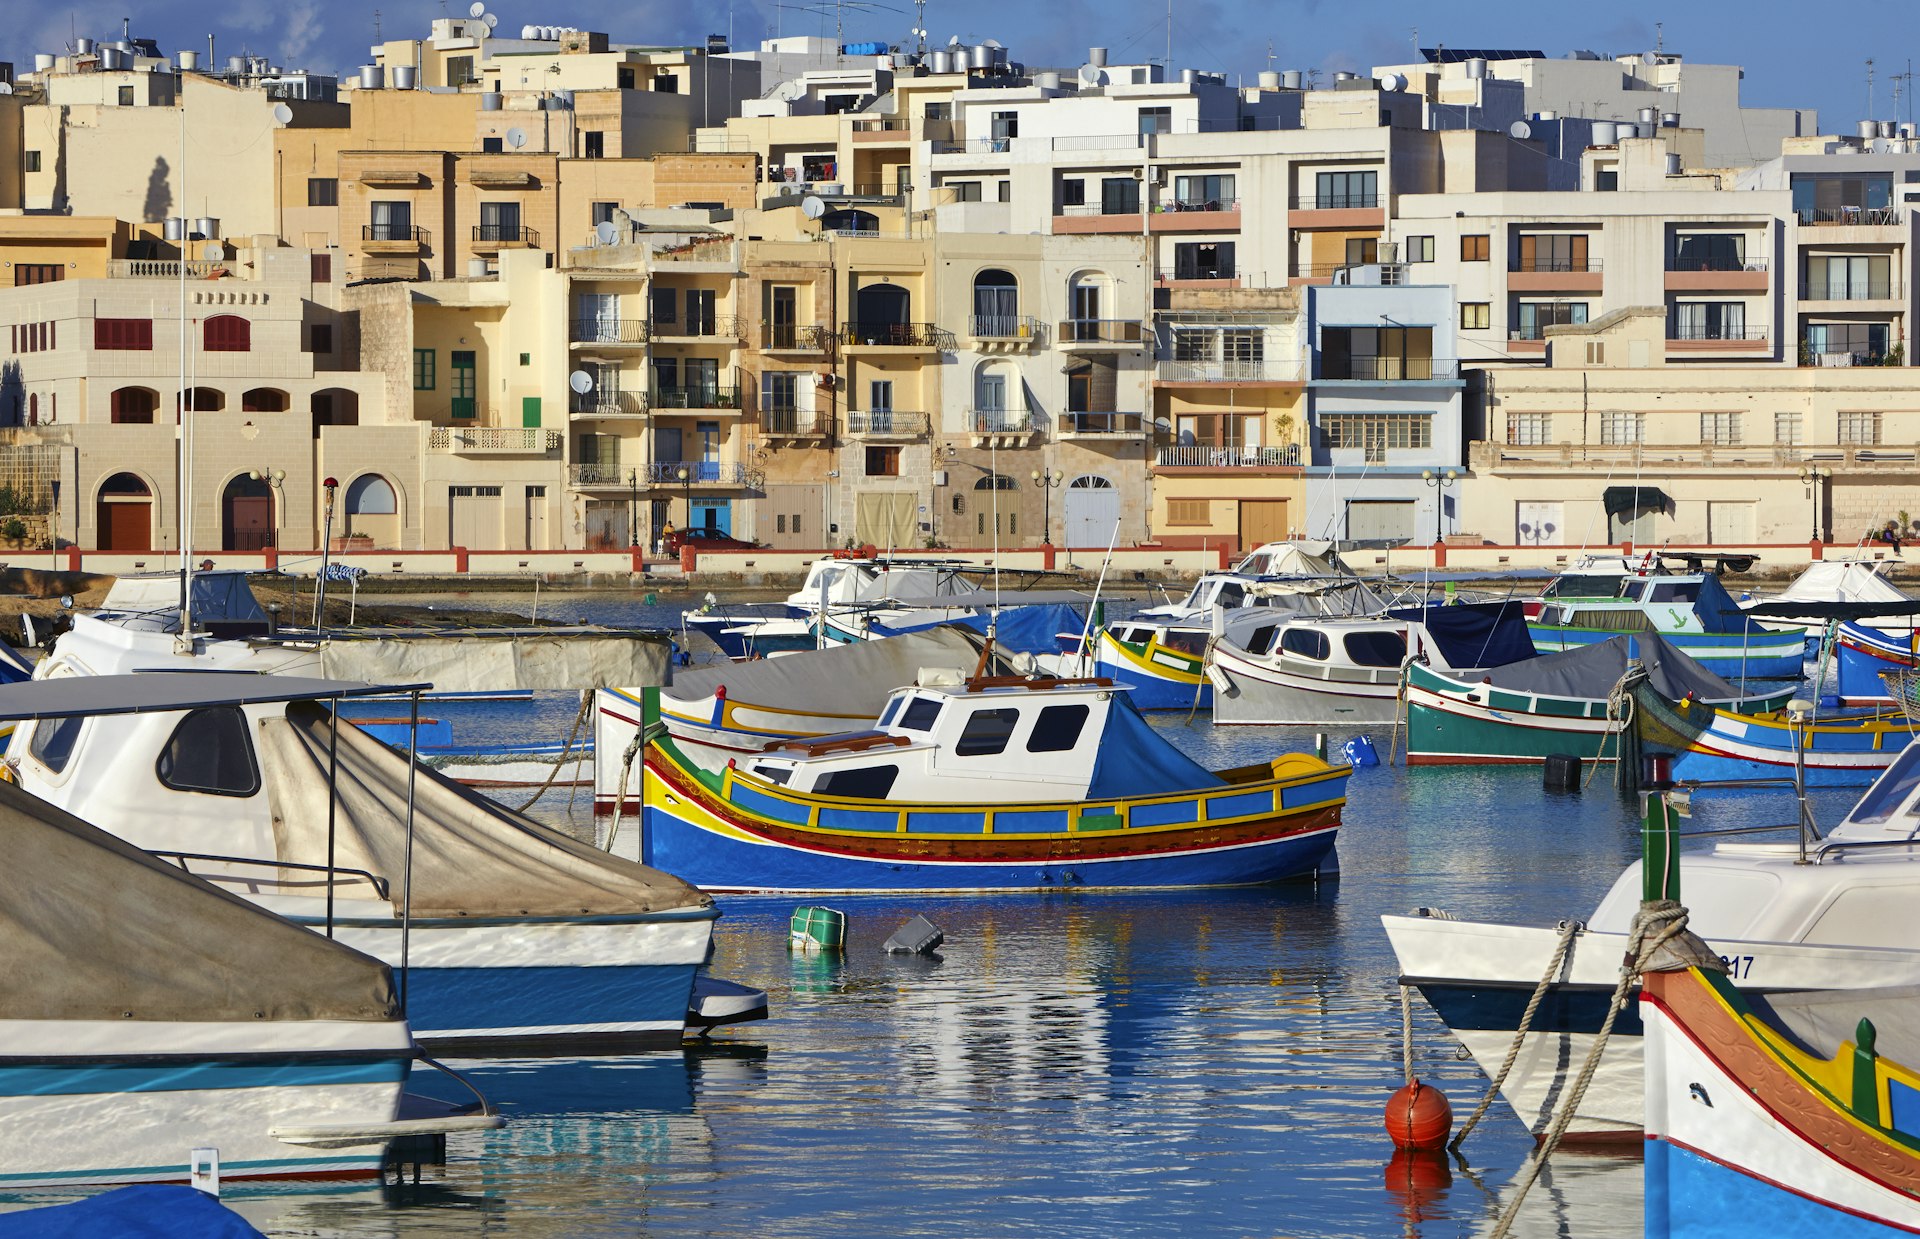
(303, 30)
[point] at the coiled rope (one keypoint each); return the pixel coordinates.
(1567, 930)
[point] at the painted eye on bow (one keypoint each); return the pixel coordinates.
(1699, 1093)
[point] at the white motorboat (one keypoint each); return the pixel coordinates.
(1836, 580)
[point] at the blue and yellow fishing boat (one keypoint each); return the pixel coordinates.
(986, 784)
(1690, 611)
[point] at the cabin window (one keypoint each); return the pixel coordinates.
(1057, 729)
(1262, 639)
(920, 713)
(1232, 596)
(210, 752)
(774, 774)
(865, 783)
(1631, 590)
(1306, 643)
(893, 708)
(53, 740)
(1890, 792)
(1584, 587)
(1194, 643)
(1376, 649)
(986, 733)
(1675, 591)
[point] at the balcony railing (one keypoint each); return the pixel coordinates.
(610, 330)
(1715, 262)
(705, 326)
(505, 234)
(999, 421)
(698, 396)
(722, 252)
(974, 146)
(1222, 275)
(1364, 368)
(393, 232)
(1227, 371)
(1202, 456)
(878, 423)
(614, 474)
(790, 338)
(896, 335)
(1005, 327)
(1336, 202)
(1101, 424)
(696, 473)
(1850, 216)
(1538, 331)
(794, 423)
(1851, 290)
(605, 403)
(1101, 331)
(1843, 355)
(1554, 265)
(1178, 205)
(164, 268)
(1098, 208)
(1682, 331)
(495, 440)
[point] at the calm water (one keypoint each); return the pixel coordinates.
(1190, 1064)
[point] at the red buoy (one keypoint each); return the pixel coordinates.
(1418, 1117)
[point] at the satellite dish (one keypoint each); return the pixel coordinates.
(1648, 58)
(214, 252)
(1520, 129)
(492, 20)
(580, 381)
(282, 113)
(953, 41)
(6, 88)
(516, 138)
(812, 207)
(477, 8)
(1162, 423)
(1092, 75)
(605, 232)
(992, 43)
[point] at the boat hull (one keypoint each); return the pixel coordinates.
(1759, 656)
(1250, 693)
(1158, 678)
(1864, 654)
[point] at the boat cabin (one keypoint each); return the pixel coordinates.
(848, 582)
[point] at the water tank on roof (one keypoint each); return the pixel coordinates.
(1669, 120)
(1476, 66)
(1097, 56)
(1605, 133)
(188, 61)
(1186, 77)
(1869, 128)
(405, 77)
(979, 56)
(83, 47)
(1344, 76)
(1047, 81)
(1546, 116)
(1393, 81)
(1887, 129)
(1290, 79)
(1269, 81)
(206, 228)
(237, 65)
(174, 229)
(372, 77)
(476, 268)
(1649, 115)
(1673, 163)
(490, 101)
(43, 62)
(941, 61)
(529, 33)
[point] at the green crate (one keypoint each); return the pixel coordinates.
(817, 929)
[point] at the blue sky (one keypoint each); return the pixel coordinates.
(1792, 56)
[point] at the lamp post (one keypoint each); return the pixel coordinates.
(276, 479)
(686, 484)
(53, 522)
(1048, 483)
(1439, 481)
(633, 508)
(1813, 475)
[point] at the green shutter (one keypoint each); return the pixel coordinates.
(530, 412)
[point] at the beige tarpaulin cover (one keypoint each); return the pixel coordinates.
(476, 662)
(93, 928)
(471, 856)
(856, 678)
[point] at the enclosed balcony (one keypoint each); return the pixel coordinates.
(1101, 426)
(887, 425)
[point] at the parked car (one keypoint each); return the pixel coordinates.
(705, 540)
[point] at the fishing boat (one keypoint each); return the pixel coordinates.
(1865, 655)
(1691, 611)
(1714, 744)
(514, 934)
(1572, 702)
(146, 1014)
(1277, 668)
(1804, 913)
(1799, 1112)
(987, 784)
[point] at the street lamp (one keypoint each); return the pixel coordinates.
(1813, 475)
(686, 483)
(275, 478)
(1439, 481)
(1048, 483)
(633, 508)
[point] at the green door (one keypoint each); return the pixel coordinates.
(464, 384)
(530, 412)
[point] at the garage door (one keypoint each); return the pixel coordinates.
(477, 518)
(1093, 509)
(887, 519)
(1262, 521)
(789, 518)
(1380, 520)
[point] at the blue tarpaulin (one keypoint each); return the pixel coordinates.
(1136, 760)
(1475, 634)
(145, 1211)
(224, 596)
(1031, 629)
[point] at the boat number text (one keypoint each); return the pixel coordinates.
(1738, 966)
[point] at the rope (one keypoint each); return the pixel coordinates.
(1665, 920)
(1619, 706)
(1567, 930)
(1406, 1033)
(579, 721)
(620, 790)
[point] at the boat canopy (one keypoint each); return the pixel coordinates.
(1136, 760)
(852, 679)
(1591, 671)
(501, 660)
(472, 857)
(1032, 629)
(1300, 557)
(1475, 634)
(160, 692)
(217, 596)
(93, 928)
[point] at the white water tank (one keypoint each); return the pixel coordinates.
(405, 77)
(188, 61)
(1869, 128)
(43, 62)
(1605, 133)
(1476, 66)
(1097, 56)
(476, 268)
(1269, 81)
(490, 101)
(1290, 79)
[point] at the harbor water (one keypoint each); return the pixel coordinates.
(1190, 1063)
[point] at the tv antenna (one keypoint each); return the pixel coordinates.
(1869, 86)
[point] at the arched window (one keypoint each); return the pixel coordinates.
(996, 305)
(996, 481)
(228, 333)
(999, 402)
(1090, 481)
(1087, 306)
(134, 405)
(263, 400)
(851, 221)
(203, 399)
(371, 495)
(881, 313)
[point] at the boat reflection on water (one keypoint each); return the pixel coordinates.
(1579, 1195)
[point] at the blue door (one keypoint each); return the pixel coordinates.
(709, 433)
(714, 514)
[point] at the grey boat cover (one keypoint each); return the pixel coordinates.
(471, 856)
(1821, 1021)
(852, 679)
(479, 661)
(93, 928)
(1591, 671)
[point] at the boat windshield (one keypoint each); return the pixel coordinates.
(1584, 585)
(1891, 791)
(1631, 590)
(1257, 564)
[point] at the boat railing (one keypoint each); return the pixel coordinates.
(1839, 846)
(337, 872)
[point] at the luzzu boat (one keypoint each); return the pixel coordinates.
(1865, 654)
(1557, 703)
(1716, 744)
(1691, 611)
(986, 784)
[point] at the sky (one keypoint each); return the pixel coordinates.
(1792, 58)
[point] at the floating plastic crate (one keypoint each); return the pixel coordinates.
(817, 929)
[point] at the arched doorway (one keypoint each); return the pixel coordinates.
(373, 511)
(1092, 511)
(134, 406)
(860, 222)
(996, 304)
(996, 517)
(881, 313)
(263, 400)
(203, 399)
(335, 406)
(246, 515)
(123, 514)
(1087, 306)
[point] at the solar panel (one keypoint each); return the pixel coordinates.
(1454, 55)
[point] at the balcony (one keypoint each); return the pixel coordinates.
(1554, 275)
(692, 473)
(973, 146)
(698, 397)
(1006, 332)
(629, 331)
(700, 258)
(606, 405)
(795, 424)
(1101, 426)
(603, 476)
(1846, 356)
(493, 441)
(503, 236)
(727, 327)
(895, 335)
(1717, 339)
(1197, 277)
(1092, 218)
(1365, 368)
(393, 238)
(788, 338)
(1184, 373)
(1716, 273)
(1206, 456)
(999, 427)
(1102, 331)
(888, 424)
(1851, 290)
(1338, 211)
(165, 269)
(871, 131)
(1582, 458)
(1197, 215)
(1849, 217)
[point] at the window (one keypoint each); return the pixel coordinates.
(965, 191)
(492, 146)
(1475, 247)
(1475, 316)
(126, 96)
(1720, 429)
(1156, 120)
(323, 191)
(1841, 277)
(1306, 643)
(1262, 639)
(123, 334)
(1596, 352)
(602, 212)
(1209, 192)
(1709, 251)
(883, 462)
(1375, 649)
(423, 376)
(1119, 195)
(25, 273)
(1419, 249)
(1057, 729)
(1529, 429)
(1710, 320)
(1362, 251)
(53, 741)
(390, 220)
(228, 333)
(1606, 180)
(499, 221)
(669, 84)
(1558, 251)
(1005, 126)
(594, 144)
(986, 733)
(665, 303)
(1335, 191)
(1786, 428)
(1674, 591)
(920, 713)
(1189, 512)
(1623, 429)
(1537, 316)
(1006, 191)
(1203, 260)
(1380, 354)
(1859, 429)
(210, 752)
(1073, 192)
(1377, 433)
(862, 783)
(32, 162)
(626, 78)
(320, 338)
(320, 268)
(1862, 343)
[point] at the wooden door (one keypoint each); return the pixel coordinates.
(1262, 521)
(126, 526)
